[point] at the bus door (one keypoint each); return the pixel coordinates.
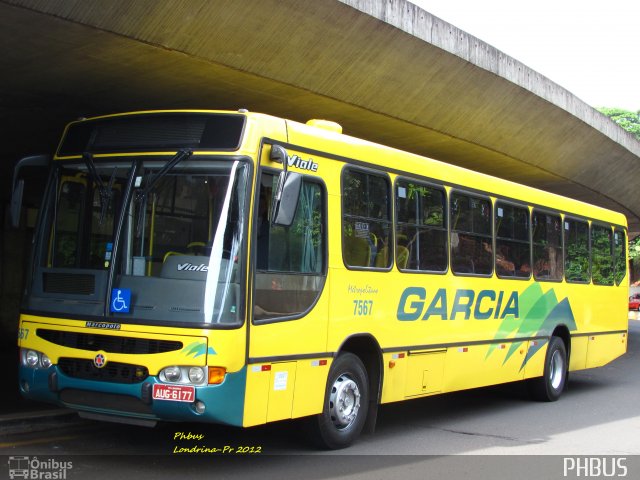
(289, 321)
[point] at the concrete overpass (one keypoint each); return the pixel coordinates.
(385, 69)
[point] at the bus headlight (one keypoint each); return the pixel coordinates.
(31, 358)
(34, 359)
(46, 361)
(196, 375)
(184, 375)
(172, 374)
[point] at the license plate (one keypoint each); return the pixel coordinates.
(174, 393)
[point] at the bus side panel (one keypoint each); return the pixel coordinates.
(395, 377)
(278, 391)
(311, 380)
(425, 370)
(578, 355)
(281, 386)
(536, 354)
(480, 365)
(257, 393)
(270, 391)
(604, 348)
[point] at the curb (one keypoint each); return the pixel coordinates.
(36, 414)
(27, 422)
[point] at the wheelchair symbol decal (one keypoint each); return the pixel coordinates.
(120, 300)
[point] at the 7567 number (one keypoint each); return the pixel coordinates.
(362, 307)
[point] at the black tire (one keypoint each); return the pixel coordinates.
(550, 386)
(346, 402)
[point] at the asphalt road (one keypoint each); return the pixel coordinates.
(498, 429)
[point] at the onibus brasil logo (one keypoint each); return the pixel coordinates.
(34, 468)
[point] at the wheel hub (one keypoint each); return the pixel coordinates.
(344, 401)
(556, 370)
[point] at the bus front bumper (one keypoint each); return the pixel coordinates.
(223, 403)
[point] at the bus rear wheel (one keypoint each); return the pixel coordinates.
(346, 403)
(550, 386)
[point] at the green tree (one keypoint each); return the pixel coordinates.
(634, 249)
(630, 121)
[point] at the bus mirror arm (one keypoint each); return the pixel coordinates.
(17, 191)
(279, 154)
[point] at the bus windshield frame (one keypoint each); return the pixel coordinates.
(171, 241)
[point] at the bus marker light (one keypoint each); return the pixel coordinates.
(392, 364)
(265, 368)
(216, 375)
(463, 349)
(318, 363)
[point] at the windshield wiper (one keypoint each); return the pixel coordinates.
(105, 191)
(141, 194)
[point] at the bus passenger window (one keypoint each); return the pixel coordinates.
(470, 235)
(601, 255)
(421, 230)
(366, 220)
(513, 252)
(547, 247)
(576, 244)
(619, 252)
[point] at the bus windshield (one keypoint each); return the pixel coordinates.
(167, 240)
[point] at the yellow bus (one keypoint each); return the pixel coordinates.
(238, 268)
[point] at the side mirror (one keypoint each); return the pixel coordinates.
(286, 198)
(18, 184)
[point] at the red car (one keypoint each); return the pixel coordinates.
(634, 301)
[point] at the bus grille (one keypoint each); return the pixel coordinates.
(114, 372)
(108, 343)
(71, 283)
(110, 401)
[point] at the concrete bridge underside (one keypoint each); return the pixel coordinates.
(385, 69)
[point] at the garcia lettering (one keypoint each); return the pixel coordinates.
(483, 305)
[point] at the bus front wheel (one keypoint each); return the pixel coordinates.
(346, 403)
(549, 387)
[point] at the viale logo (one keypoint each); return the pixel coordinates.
(190, 267)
